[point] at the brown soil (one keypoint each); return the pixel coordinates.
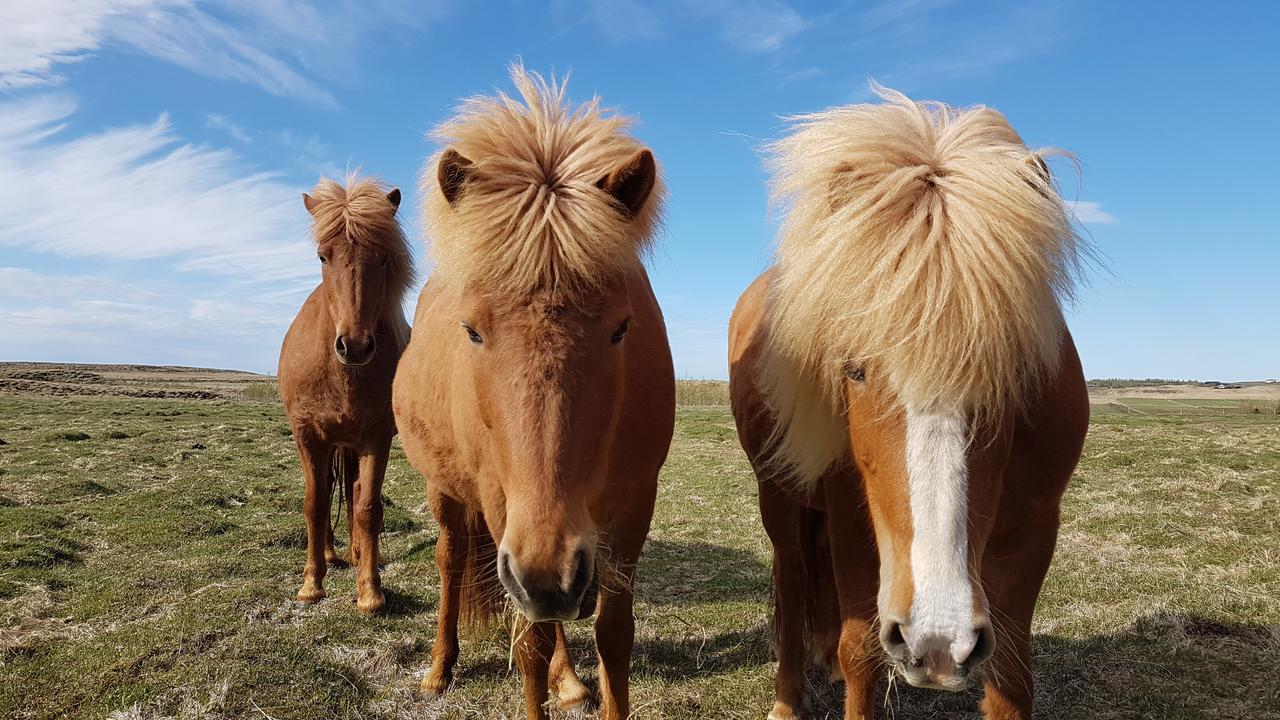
(140, 381)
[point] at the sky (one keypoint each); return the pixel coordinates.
(153, 152)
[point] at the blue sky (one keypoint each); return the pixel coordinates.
(152, 152)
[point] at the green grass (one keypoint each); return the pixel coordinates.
(148, 569)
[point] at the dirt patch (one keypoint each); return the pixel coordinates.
(1251, 391)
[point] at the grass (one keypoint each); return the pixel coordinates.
(147, 570)
(702, 393)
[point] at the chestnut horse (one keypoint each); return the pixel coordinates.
(336, 367)
(537, 397)
(910, 399)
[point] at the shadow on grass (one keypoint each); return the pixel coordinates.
(694, 656)
(686, 573)
(1174, 666)
(401, 604)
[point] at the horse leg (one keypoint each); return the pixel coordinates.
(536, 646)
(615, 626)
(855, 569)
(451, 550)
(315, 458)
(1013, 572)
(368, 526)
(570, 692)
(783, 520)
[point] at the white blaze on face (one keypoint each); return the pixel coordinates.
(941, 619)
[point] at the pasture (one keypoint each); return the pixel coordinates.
(151, 542)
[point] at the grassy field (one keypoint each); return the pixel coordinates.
(150, 548)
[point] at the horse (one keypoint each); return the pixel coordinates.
(336, 366)
(910, 398)
(537, 396)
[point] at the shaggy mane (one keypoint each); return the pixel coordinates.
(924, 242)
(359, 212)
(531, 214)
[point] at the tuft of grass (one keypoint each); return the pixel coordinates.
(261, 391)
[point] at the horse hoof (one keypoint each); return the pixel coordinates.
(573, 701)
(781, 711)
(432, 687)
(371, 603)
(310, 594)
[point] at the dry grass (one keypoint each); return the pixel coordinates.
(152, 575)
(702, 393)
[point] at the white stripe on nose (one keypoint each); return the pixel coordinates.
(942, 620)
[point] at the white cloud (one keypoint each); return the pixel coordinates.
(138, 193)
(757, 25)
(623, 20)
(285, 47)
(168, 252)
(223, 123)
(104, 319)
(919, 41)
(36, 37)
(1090, 213)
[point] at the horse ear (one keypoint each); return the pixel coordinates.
(310, 203)
(452, 173)
(632, 182)
(393, 197)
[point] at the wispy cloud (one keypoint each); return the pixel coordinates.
(223, 123)
(290, 48)
(757, 25)
(167, 251)
(37, 37)
(137, 193)
(1089, 213)
(623, 20)
(753, 26)
(928, 39)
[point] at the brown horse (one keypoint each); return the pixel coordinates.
(537, 396)
(336, 366)
(910, 398)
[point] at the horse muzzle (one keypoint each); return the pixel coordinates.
(544, 597)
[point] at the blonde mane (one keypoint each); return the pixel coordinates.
(921, 241)
(359, 212)
(532, 213)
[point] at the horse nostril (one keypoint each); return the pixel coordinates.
(982, 648)
(507, 576)
(340, 346)
(581, 574)
(892, 640)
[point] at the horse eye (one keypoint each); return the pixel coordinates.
(471, 333)
(323, 259)
(855, 372)
(620, 332)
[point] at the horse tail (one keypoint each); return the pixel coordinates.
(481, 597)
(344, 470)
